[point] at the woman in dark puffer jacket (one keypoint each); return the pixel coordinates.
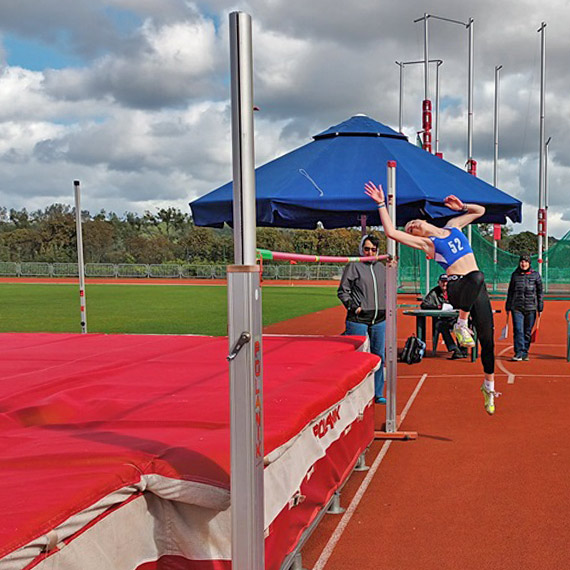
(524, 300)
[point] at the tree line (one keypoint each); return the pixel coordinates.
(169, 236)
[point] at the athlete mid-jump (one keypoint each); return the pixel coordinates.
(466, 284)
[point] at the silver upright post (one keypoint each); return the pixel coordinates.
(401, 109)
(391, 301)
(546, 212)
(542, 31)
(496, 159)
(496, 126)
(244, 318)
(438, 62)
(470, 94)
(470, 160)
(80, 264)
(426, 57)
(402, 65)
(425, 128)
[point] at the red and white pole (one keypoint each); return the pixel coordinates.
(426, 125)
(80, 264)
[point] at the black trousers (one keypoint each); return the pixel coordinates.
(469, 293)
(444, 326)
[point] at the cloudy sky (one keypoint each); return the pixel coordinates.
(131, 97)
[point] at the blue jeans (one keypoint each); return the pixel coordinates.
(523, 321)
(377, 335)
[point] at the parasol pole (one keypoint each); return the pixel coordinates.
(244, 318)
(80, 264)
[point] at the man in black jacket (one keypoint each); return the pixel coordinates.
(524, 299)
(362, 291)
(437, 299)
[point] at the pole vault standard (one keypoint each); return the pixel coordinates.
(541, 177)
(244, 318)
(426, 106)
(402, 64)
(496, 227)
(546, 284)
(80, 265)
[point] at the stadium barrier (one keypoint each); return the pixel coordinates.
(412, 272)
(300, 272)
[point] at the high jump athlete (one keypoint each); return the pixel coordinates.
(466, 284)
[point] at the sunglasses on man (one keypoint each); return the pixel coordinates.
(371, 249)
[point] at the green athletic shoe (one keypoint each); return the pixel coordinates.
(463, 335)
(489, 399)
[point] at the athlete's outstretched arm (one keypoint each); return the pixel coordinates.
(377, 194)
(471, 211)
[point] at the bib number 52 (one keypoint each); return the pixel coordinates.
(455, 245)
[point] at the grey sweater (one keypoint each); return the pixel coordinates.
(364, 285)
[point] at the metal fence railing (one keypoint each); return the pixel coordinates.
(312, 271)
(556, 280)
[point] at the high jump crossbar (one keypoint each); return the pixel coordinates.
(267, 255)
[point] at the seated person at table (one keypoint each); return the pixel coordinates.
(437, 299)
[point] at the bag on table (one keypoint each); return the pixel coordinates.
(414, 350)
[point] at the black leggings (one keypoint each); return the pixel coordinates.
(469, 293)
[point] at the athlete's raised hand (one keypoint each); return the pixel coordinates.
(454, 203)
(375, 192)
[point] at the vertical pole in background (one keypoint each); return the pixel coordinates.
(496, 227)
(472, 165)
(391, 301)
(541, 212)
(363, 222)
(80, 264)
(546, 213)
(438, 62)
(426, 105)
(426, 116)
(426, 113)
(401, 107)
(244, 318)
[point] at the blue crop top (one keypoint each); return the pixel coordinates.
(451, 248)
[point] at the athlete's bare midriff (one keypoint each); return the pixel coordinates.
(463, 266)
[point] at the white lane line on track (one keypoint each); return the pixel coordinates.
(335, 537)
(510, 375)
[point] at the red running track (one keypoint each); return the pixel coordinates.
(473, 491)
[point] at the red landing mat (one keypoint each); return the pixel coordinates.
(116, 447)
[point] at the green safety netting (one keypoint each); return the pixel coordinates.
(414, 269)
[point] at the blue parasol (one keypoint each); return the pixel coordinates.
(323, 181)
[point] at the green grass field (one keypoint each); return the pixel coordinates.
(145, 309)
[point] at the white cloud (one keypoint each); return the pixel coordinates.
(145, 120)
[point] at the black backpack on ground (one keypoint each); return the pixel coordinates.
(414, 350)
